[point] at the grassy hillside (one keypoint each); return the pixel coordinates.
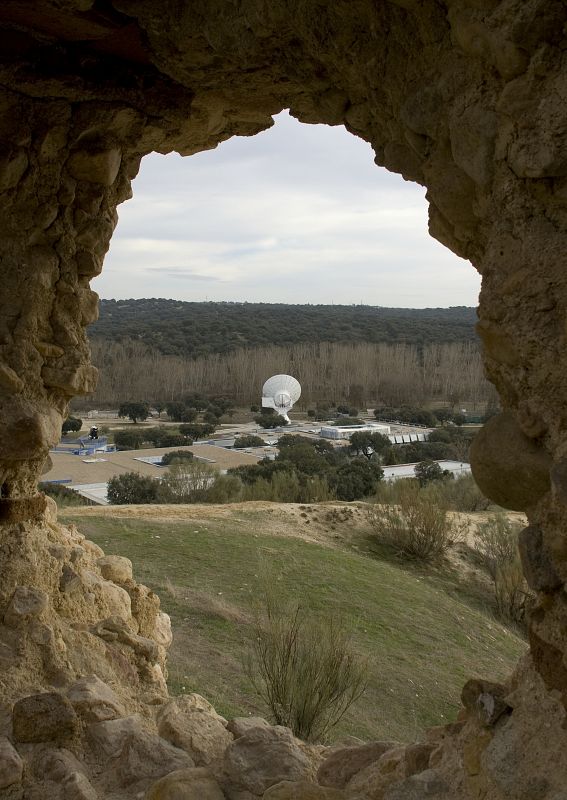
(194, 329)
(422, 638)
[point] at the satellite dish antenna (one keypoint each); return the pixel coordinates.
(280, 392)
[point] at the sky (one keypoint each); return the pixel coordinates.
(296, 214)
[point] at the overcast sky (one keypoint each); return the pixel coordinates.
(297, 214)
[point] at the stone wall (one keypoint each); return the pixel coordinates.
(467, 97)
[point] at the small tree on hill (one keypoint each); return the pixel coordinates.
(197, 431)
(428, 471)
(135, 411)
(128, 440)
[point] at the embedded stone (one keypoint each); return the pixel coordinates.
(416, 757)
(301, 790)
(11, 765)
(20, 509)
(341, 765)
(145, 608)
(12, 168)
(10, 380)
(510, 468)
(486, 700)
(115, 568)
(189, 722)
(162, 632)
(26, 603)
(93, 700)
(72, 380)
(264, 757)
(537, 563)
(43, 717)
(78, 787)
(242, 725)
(428, 785)
(186, 784)
(146, 756)
(95, 167)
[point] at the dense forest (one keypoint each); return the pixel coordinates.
(192, 330)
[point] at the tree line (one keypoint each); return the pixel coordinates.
(329, 373)
(192, 330)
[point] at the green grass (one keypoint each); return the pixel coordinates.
(422, 641)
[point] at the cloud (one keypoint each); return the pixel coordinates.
(299, 213)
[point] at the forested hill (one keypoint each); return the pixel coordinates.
(196, 329)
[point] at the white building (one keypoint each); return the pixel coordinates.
(339, 432)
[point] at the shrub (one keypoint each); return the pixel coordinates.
(356, 479)
(132, 487)
(128, 440)
(497, 542)
(429, 472)
(71, 424)
(415, 528)
(463, 494)
(188, 482)
(225, 489)
(176, 457)
(249, 441)
(305, 670)
(270, 420)
(62, 495)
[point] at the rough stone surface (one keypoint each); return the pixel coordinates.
(11, 764)
(341, 765)
(43, 717)
(115, 568)
(463, 96)
(238, 726)
(509, 467)
(537, 562)
(93, 700)
(264, 757)
(191, 723)
(186, 784)
(301, 790)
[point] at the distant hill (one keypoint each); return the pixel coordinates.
(195, 329)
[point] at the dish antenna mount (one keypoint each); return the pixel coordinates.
(280, 392)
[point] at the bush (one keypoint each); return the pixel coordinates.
(356, 479)
(463, 494)
(270, 420)
(71, 424)
(430, 472)
(415, 528)
(128, 440)
(254, 408)
(305, 670)
(176, 457)
(188, 482)
(196, 431)
(249, 441)
(132, 487)
(497, 543)
(62, 495)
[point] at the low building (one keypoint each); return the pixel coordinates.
(343, 432)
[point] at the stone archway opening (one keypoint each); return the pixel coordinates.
(463, 96)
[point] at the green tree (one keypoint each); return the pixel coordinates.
(270, 421)
(175, 410)
(187, 482)
(71, 424)
(128, 440)
(367, 443)
(135, 411)
(428, 471)
(176, 457)
(197, 431)
(248, 441)
(356, 479)
(131, 487)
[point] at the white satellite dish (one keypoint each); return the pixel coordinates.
(280, 392)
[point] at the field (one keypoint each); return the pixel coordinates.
(423, 631)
